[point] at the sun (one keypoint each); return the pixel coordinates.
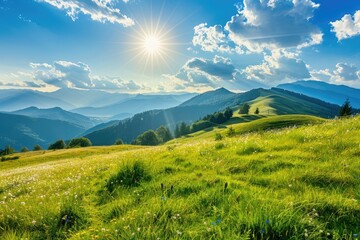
(152, 45)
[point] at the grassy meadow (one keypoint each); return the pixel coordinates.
(262, 179)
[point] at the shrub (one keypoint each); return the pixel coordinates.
(130, 175)
(80, 142)
(3, 159)
(228, 113)
(60, 144)
(148, 138)
(119, 142)
(8, 150)
(200, 125)
(163, 134)
(218, 137)
(219, 146)
(37, 147)
(230, 132)
(24, 149)
(244, 109)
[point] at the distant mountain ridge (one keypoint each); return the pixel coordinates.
(22, 131)
(12, 100)
(58, 113)
(131, 106)
(327, 92)
(279, 100)
(93, 103)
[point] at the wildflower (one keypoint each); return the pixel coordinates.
(138, 229)
(262, 231)
(218, 220)
(267, 221)
(33, 222)
(356, 235)
(178, 232)
(103, 229)
(22, 203)
(163, 198)
(213, 223)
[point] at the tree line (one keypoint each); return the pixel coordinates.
(59, 144)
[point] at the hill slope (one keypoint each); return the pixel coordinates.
(293, 183)
(22, 131)
(280, 102)
(331, 93)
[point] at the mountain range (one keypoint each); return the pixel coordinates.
(331, 93)
(58, 113)
(91, 103)
(22, 131)
(130, 106)
(126, 116)
(273, 101)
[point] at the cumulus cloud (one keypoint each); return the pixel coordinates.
(346, 72)
(21, 84)
(65, 74)
(348, 26)
(212, 39)
(99, 10)
(263, 25)
(278, 67)
(199, 71)
(199, 74)
(343, 73)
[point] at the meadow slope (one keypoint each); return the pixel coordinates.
(297, 182)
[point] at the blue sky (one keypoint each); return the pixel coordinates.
(177, 45)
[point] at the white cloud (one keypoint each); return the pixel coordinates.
(99, 10)
(263, 25)
(207, 71)
(211, 39)
(278, 67)
(343, 73)
(346, 72)
(199, 74)
(65, 74)
(348, 26)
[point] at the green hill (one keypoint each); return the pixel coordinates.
(273, 101)
(287, 183)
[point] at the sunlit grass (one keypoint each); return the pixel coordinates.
(292, 183)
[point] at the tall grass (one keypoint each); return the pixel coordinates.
(290, 183)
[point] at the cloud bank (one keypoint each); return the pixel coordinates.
(262, 25)
(348, 26)
(65, 74)
(99, 10)
(343, 73)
